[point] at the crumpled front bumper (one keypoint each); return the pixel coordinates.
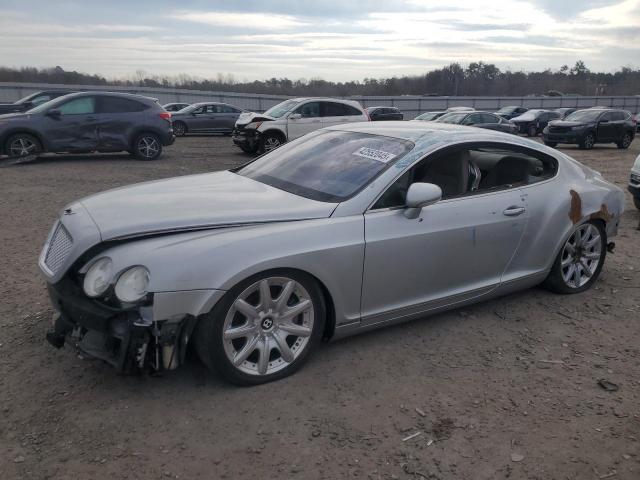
(247, 139)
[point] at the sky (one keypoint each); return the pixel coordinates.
(335, 40)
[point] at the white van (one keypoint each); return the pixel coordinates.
(292, 119)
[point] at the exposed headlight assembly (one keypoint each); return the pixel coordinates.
(98, 277)
(132, 284)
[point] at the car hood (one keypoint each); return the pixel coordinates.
(196, 202)
(248, 117)
(14, 116)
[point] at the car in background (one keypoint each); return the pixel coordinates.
(175, 107)
(430, 116)
(291, 119)
(532, 122)
(565, 112)
(487, 120)
(205, 117)
(88, 122)
(377, 114)
(321, 238)
(511, 111)
(460, 109)
(636, 119)
(634, 183)
(593, 125)
(30, 101)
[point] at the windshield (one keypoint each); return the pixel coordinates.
(427, 116)
(45, 106)
(507, 110)
(280, 109)
(583, 116)
(530, 115)
(452, 117)
(329, 166)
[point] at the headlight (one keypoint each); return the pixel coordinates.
(132, 284)
(253, 125)
(577, 127)
(98, 277)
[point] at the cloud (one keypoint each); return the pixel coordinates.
(258, 21)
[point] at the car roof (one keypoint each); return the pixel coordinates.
(427, 132)
(102, 93)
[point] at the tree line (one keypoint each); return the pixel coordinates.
(475, 79)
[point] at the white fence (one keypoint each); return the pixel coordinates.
(411, 105)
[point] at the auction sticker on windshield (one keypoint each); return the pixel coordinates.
(373, 154)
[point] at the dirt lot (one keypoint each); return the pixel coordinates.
(505, 389)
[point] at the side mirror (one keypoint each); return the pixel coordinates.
(421, 195)
(54, 113)
(295, 116)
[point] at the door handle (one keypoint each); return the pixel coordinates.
(514, 211)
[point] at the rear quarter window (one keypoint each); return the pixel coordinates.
(119, 105)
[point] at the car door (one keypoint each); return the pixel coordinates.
(455, 250)
(117, 117)
(75, 128)
(304, 119)
(203, 118)
(606, 128)
(227, 117)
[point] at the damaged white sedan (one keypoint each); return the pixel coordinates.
(346, 229)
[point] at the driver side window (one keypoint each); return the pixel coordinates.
(78, 106)
(309, 110)
(472, 169)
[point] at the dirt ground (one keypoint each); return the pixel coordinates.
(504, 389)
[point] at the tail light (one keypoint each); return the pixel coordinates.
(165, 116)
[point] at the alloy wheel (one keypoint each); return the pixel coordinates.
(148, 147)
(21, 147)
(268, 326)
(626, 140)
(581, 256)
(589, 141)
(271, 143)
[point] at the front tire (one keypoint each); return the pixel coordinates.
(147, 146)
(580, 260)
(625, 141)
(179, 129)
(587, 141)
(270, 141)
(22, 145)
(264, 328)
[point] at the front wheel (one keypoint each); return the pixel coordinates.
(625, 142)
(264, 328)
(147, 146)
(22, 145)
(270, 142)
(580, 260)
(588, 141)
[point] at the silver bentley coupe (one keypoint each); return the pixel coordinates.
(349, 228)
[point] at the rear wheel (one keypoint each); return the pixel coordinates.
(179, 129)
(588, 141)
(580, 260)
(22, 145)
(625, 141)
(147, 146)
(264, 328)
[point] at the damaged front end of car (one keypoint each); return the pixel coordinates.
(104, 310)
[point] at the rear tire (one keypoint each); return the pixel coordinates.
(625, 141)
(587, 141)
(574, 270)
(147, 146)
(251, 339)
(179, 129)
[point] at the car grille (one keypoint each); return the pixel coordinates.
(635, 178)
(555, 129)
(59, 248)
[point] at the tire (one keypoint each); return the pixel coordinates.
(568, 276)
(587, 141)
(22, 145)
(179, 128)
(636, 202)
(270, 141)
(147, 146)
(532, 131)
(551, 144)
(625, 141)
(265, 344)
